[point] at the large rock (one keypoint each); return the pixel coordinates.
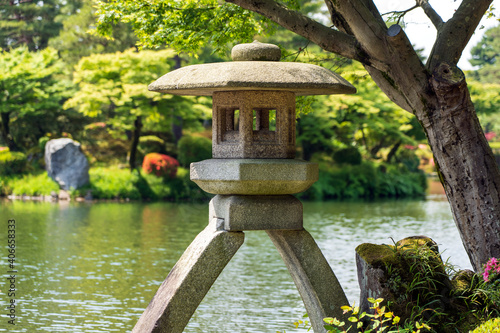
(66, 163)
(389, 272)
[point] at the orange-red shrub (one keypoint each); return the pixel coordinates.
(160, 164)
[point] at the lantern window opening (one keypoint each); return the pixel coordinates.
(231, 123)
(264, 119)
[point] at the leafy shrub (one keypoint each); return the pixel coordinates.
(349, 155)
(115, 183)
(183, 188)
(12, 162)
(35, 184)
(161, 165)
(491, 326)
(365, 181)
(111, 183)
(193, 149)
(151, 144)
(42, 142)
(379, 321)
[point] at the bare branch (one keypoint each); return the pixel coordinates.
(454, 35)
(325, 37)
(431, 13)
(400, 13)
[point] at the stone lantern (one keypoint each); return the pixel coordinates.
(253, 174)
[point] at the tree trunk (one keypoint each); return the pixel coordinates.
(5, 130)
(465, 164)
(393, 151)
(135, 142)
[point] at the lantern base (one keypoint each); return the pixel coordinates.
(254, 176)
(257, 212)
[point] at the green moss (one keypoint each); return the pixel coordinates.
(379, 256)
(417, 241)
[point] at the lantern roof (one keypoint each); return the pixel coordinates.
(255, 66)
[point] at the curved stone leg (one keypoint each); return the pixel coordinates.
(188, 282)
(317, 284)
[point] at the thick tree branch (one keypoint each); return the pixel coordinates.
(454, 35)
(431, 13)
(327, 38)
(373, 9)
(361, 19)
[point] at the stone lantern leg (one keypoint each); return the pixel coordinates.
(253, 174)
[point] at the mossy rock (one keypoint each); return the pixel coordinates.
(409, 275)
(379, 256)
(462, 281)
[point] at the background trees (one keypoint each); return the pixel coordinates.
(485, 55)
(113, 88)
(33, 87)
(32, 23)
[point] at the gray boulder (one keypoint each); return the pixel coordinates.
(66, 163)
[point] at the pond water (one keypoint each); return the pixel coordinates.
(95, 267)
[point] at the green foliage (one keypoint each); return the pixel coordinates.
(366, 180)
(491, 326)
(113, 183)
(193, 149)
(485, 55)
(349, 155)
(488, 49)
(113, 89)
(35, 184)
(12, 162)
(33, 89)
(368, 120)
(42, 142)
(30, 23)
(417, 286)
(182, 25)
(380, 320)
(151, 144)
(486, 98)
(74, 40)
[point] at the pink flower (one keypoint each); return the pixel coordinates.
(492, 268)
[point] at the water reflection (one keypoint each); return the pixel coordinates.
(95, 267)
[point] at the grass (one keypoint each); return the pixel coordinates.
(34, 184)
(109, 183)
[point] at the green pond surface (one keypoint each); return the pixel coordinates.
(94, 267)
